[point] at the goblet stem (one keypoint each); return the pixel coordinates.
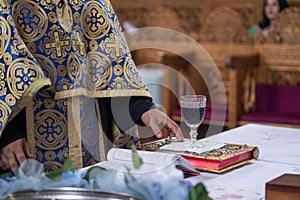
(193, 135)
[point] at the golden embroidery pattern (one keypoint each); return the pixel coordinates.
(95, 21)
(31, 22)
(5, 35)
(50, 129)
(20, 74)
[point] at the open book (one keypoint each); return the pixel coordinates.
(121, 159)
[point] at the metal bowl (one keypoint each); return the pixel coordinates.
(70, 194)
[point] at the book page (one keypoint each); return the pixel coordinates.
(181, 147)
(125, 166)
(185, 166)
(124, 155)
(120, 159)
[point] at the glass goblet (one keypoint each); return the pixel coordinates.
(193, 110)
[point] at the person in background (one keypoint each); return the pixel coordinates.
(271, 9)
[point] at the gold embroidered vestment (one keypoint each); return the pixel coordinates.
(56, 58)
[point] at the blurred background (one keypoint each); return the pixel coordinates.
(254, 44)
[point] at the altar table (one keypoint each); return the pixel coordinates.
(279, 154)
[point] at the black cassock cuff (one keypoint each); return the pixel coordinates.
(14, 130)
(138, 106)
(127, 111)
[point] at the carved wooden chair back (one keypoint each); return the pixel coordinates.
(281, 52)
(225, 36)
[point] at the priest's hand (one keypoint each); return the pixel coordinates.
(156, 120)
(13, 154)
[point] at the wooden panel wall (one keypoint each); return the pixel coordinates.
(295, 3)
(189, 17)
(186, 16)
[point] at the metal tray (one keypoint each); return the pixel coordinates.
(70, 194)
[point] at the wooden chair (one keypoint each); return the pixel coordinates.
(280, 62)
(278, 91)
(229, 44)
(164, 17)
(223, 35)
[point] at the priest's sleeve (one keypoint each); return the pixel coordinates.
(15, 129)
(20, 74)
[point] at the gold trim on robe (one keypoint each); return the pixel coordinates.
(74, 131)
(78, 59)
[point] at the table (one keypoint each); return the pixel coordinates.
(279, 153)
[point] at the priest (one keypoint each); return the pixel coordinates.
(68, 84)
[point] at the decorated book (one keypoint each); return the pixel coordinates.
(216, 160)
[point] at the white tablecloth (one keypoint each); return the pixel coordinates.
(279, 154)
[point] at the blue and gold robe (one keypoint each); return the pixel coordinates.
(56, 58)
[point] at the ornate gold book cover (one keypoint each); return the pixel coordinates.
(217, 160)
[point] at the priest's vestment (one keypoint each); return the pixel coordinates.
(56, 58)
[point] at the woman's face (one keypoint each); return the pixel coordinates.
(272, 8)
